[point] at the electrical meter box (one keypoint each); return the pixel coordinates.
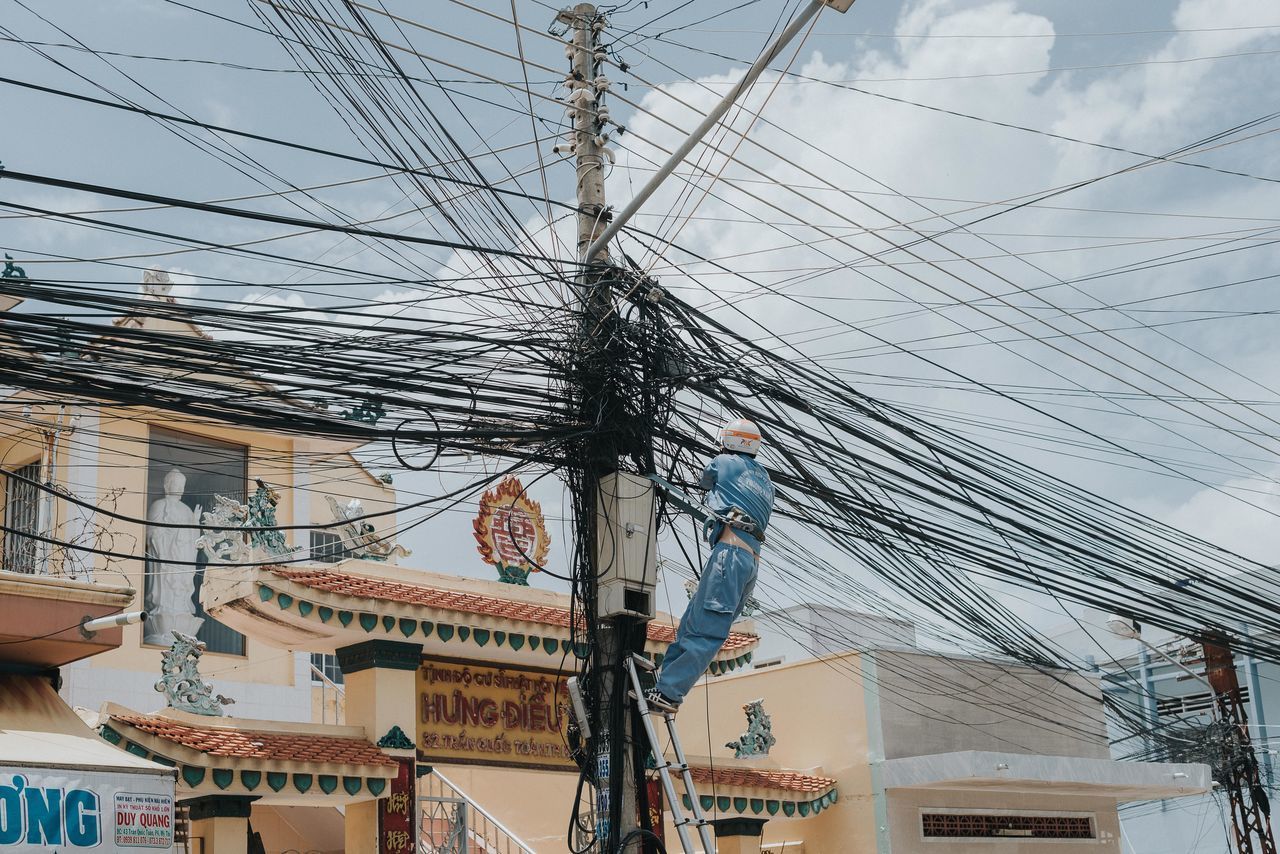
(626, 546)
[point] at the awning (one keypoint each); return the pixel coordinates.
(323, 607)
(976, 770)
(39, 730)
(280, 762)
(764, 792)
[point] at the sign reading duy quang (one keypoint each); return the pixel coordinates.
(487, 714)
(72, 810)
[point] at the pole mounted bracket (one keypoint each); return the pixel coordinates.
(839, 5)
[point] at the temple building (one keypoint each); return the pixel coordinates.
(301, 683)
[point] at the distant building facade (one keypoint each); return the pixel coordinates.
(1176, 704)
(933, 752)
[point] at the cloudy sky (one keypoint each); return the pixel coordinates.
(1074, 205)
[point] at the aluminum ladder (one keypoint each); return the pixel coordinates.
(664, 767)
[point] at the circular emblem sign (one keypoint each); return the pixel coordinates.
(511, 532)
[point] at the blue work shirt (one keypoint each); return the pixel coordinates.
(737, 480)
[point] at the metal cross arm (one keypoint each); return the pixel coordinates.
(748, 80)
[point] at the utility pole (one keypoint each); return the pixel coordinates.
(588, 143)
(615, 511)
(615, 632)
(1233, 758)
(1250, 807)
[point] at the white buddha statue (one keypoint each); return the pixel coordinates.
(172, 553)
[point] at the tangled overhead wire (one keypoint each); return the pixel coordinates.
(867, 490)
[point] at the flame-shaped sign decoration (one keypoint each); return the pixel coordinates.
(511, 532)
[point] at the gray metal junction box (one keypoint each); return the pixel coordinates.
(626, 545)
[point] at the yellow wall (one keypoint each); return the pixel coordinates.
(122, 449)
(327, 705)
(533, 804)
(819, 719)
(310, 829)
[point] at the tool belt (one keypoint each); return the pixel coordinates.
(738, 521)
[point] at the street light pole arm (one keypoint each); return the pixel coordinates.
(1200, 677)
(771, 53)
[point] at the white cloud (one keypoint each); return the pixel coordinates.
(1153, 108)
(1216, 515)
(185, 284)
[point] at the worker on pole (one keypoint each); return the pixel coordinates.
(740, 498)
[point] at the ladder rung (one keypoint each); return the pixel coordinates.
(697, 822)
(642, 662)
(679, 766)
(653, 710)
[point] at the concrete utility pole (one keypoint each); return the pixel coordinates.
(616, 509)
(584, 100)
(614, 633)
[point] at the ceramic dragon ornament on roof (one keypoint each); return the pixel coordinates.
(758, 739)
(359, 537)
(181, 683)
(225, 539)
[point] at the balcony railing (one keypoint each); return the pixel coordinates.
(329, 689)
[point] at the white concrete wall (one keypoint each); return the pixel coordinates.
(804, 631)
(934, 704)
(90, 687)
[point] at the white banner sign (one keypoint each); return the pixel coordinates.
(65, 810)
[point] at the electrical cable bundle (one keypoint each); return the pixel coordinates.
(493, 349)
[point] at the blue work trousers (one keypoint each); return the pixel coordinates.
(727, 581)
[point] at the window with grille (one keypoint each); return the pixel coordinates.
(21, 518)
(1191, 704)
(326, 547)
(995, 826)
(326, 663)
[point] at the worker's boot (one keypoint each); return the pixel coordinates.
(658, 702)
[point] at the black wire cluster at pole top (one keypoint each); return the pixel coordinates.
(928, 511)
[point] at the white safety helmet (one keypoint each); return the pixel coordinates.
(740, 435)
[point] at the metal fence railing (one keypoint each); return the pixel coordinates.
(331, 693)
(450, 822)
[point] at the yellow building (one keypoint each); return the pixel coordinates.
(108, 466)
(373, 704)
(81, 481)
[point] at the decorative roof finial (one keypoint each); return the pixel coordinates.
(758, 738)
(12, 270)
(360, 539)
(156, 283)
(182, 685)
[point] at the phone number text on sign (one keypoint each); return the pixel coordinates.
(143, 821)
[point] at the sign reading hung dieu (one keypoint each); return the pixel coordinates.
(481, 714)
(71, 810)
